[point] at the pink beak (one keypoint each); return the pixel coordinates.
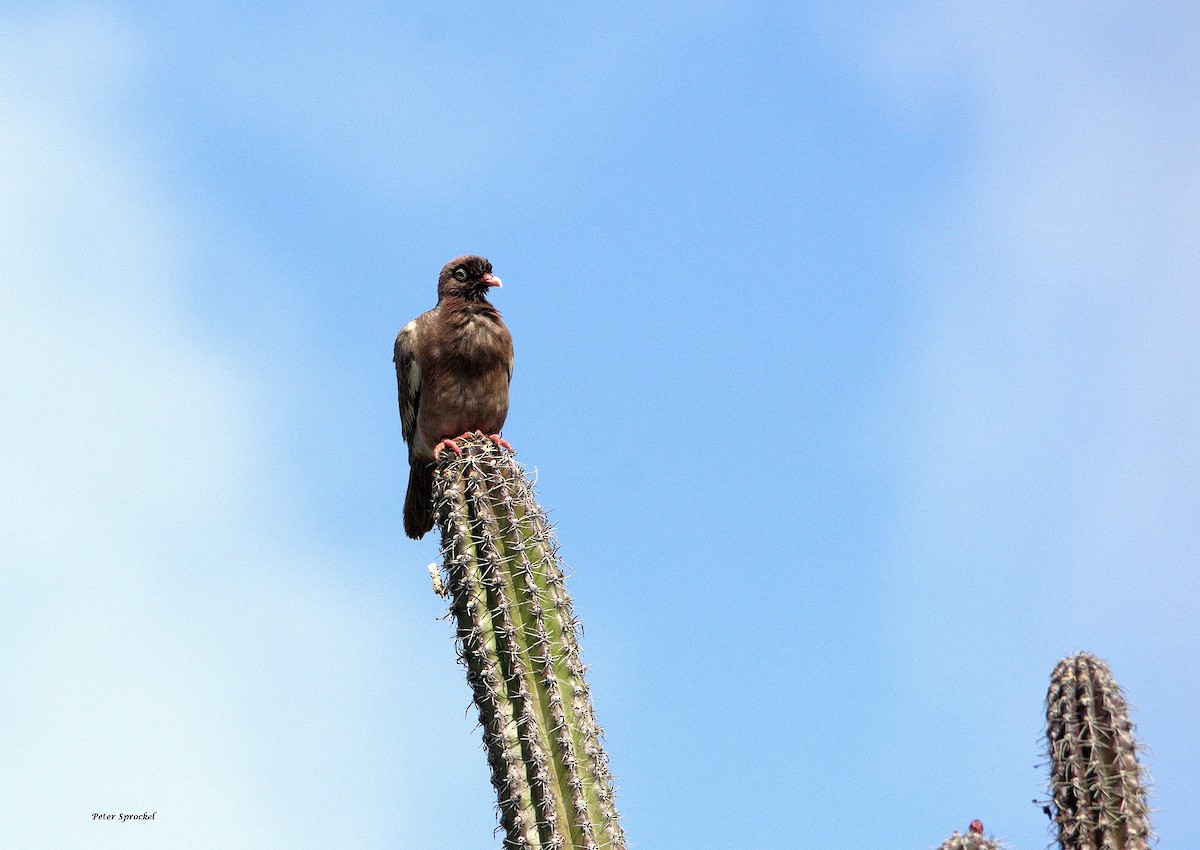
(491, 280)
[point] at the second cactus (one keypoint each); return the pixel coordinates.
(1097, 783)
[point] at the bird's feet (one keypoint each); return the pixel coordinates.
(452, 443)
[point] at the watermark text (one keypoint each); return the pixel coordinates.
(123, 817)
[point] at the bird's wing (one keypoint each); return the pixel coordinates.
(408, 381)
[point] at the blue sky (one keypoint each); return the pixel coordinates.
(856, 359)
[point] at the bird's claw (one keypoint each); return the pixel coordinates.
(437, 450)
(501, 442)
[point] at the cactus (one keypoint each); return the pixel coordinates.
(518, 639)
(972, 840)
(1097, 785)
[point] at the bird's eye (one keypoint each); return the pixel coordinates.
(460, 274)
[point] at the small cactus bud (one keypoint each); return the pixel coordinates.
(972, 840)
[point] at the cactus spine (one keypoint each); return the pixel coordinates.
(518, 639)
(1098, 786)
(972, 840)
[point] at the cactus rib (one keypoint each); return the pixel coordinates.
(518, 638)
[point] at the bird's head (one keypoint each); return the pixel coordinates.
(468, 277)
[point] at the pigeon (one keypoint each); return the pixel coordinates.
(453, 367)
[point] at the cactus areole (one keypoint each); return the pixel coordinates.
(518, 639)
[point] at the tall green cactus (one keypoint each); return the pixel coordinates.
(1097, 784)
(518, 638)
(973, 839)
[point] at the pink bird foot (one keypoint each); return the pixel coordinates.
(501, 443)
(437, 450)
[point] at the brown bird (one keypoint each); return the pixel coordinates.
(453, 367)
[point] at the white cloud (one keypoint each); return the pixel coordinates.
(117, 429)
(168, 644)
(1056, 356)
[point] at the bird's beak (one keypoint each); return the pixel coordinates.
(491, 280)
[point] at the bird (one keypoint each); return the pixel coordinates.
(454, 364)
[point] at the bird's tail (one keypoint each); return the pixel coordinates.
(418, 504)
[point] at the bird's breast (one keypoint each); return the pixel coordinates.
(477, 342)
(465, 387)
